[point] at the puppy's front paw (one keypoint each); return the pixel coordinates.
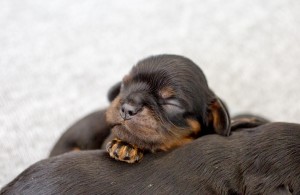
(124, 151)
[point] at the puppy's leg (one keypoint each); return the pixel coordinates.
(88, 133)
(124, 151)
(247, 121)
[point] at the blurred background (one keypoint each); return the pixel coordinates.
(58, 58)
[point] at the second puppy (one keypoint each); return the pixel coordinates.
(163, 103)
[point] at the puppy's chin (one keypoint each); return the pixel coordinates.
(137, 137)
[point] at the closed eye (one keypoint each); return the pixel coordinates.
(172, 102)
(172, 105)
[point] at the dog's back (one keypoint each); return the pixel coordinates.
(261, 160)
(270, 159)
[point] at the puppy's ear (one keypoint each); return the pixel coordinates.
(219, 118)
(114, 91)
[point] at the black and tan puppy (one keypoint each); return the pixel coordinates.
(260, 160)
(164, 102)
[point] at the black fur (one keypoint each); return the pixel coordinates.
(260, 160)
(87, 133)
(247, 120)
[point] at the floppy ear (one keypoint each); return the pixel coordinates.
(219, 118)
(114, 91)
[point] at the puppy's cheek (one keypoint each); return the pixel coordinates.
(144, 123)
(194, 126)
(182, 136)
(112, 113)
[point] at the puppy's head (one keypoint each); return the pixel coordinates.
(165, 102)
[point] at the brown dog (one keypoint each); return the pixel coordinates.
(163, 103)
(259, 160)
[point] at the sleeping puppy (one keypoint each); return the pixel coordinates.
(260, 160)
(163, 103)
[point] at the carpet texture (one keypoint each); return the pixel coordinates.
(58, 58)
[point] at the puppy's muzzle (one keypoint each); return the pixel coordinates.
(128, 111)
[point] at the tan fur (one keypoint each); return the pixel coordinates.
(166, 92)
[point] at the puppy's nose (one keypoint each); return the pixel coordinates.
(127, 111)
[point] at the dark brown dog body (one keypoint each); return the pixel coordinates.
(260, 160)
(87, 133)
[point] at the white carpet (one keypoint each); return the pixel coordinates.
(58, 58)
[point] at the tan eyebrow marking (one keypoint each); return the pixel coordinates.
(166, 92)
